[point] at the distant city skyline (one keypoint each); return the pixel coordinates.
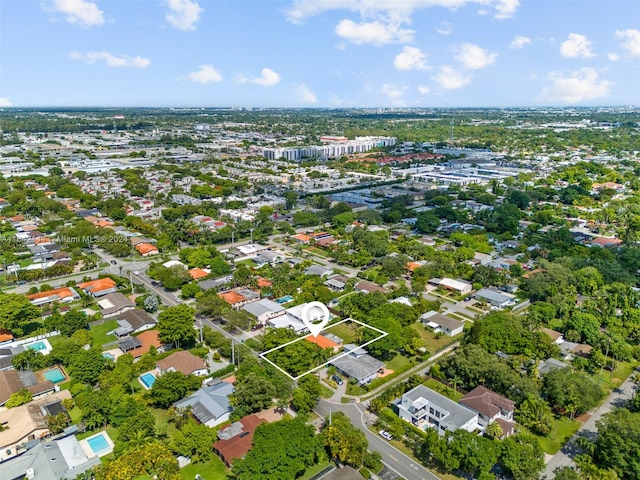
(319, 53)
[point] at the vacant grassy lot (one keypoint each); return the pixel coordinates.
(99, 333)
(212, 470)
(562, 429)
(346, 331)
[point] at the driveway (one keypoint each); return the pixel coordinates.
(564, 458)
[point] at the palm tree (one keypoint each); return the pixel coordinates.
(281, 406)
(535, 413)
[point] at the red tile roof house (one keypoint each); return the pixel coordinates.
(236, 439)
(491, 407)
(183, 362)
(99, 287)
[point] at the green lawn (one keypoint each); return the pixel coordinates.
(75, 414)
(212, 470)
(399, 364)
(430, 340)
(562, 429)
(611, 380)
(443, 390)
(99, 333)
(346, 331)
(317, 251)
(354, 389)
(311, 471)
(325, 392)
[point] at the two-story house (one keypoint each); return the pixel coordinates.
(491, 407)
(426, 408)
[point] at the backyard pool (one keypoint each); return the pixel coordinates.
(285, 299)
(37, 346)
(100, 444)
(148, 379)
(108, 356)
(54, 375)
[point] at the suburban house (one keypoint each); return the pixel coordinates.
(442, 323)
(209, 405)
(495, 297)
(141, 344)
(239, 297)
(147, 249)
(12, 381)
(460, 287)
(319, 270)
(337, 283)
(183, 362)
(98, 287)
(198, 273)
(605, 242)
(135, 321)
(551, 364)
(28, 422)
(365, 286)
(426, 408)
(268, 257)
(52, 460)
(235, 440)
(357, 364)
(292, 319)
(491, 407)
(62, 295)
(115, 304)
(324, 342)
(264, 310)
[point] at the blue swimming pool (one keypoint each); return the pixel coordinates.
(148, 379)
(54, 375)
(37, 346)
(98, 443)
(108, 356)
(285, 299)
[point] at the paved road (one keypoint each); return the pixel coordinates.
(404, 466)
(564, 458)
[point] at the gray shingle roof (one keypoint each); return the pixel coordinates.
(209, 402)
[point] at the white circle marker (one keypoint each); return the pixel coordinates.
(315, 316)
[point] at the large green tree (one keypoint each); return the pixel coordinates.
(618, 443)
(283, 449)
(343, 441)
(522, 456)
(16, 312)
(176, 325)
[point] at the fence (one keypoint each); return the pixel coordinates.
(446, 384)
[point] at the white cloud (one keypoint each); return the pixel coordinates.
(576, 46)
(183, 14)
(376, 33)
(394, 93)
(5, 102)
(424, 90)
(268, 78)
(580, 85)
(205, 74)
(474, 57)
(78, 12)
(519, 41)
(506, 8)
(303, 9)
(448, 78)
(111, 60)
(305, 94)
(411, 58)
(630, 41)
(613, 57)
(445, 28)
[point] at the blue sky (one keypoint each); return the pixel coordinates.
(319, 53)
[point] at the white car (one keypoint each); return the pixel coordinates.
(136, 272)
(386, 435)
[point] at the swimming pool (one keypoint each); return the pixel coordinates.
(285, 299)
(54, 375)
(37, 346)
(108, 356)
(148, 379)
(99, 443)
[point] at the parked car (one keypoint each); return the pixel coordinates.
(155, 283)
(468, 299)
(386, 435)
(113, 262)
(136, 272)
(337, 379)
(257, 326)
